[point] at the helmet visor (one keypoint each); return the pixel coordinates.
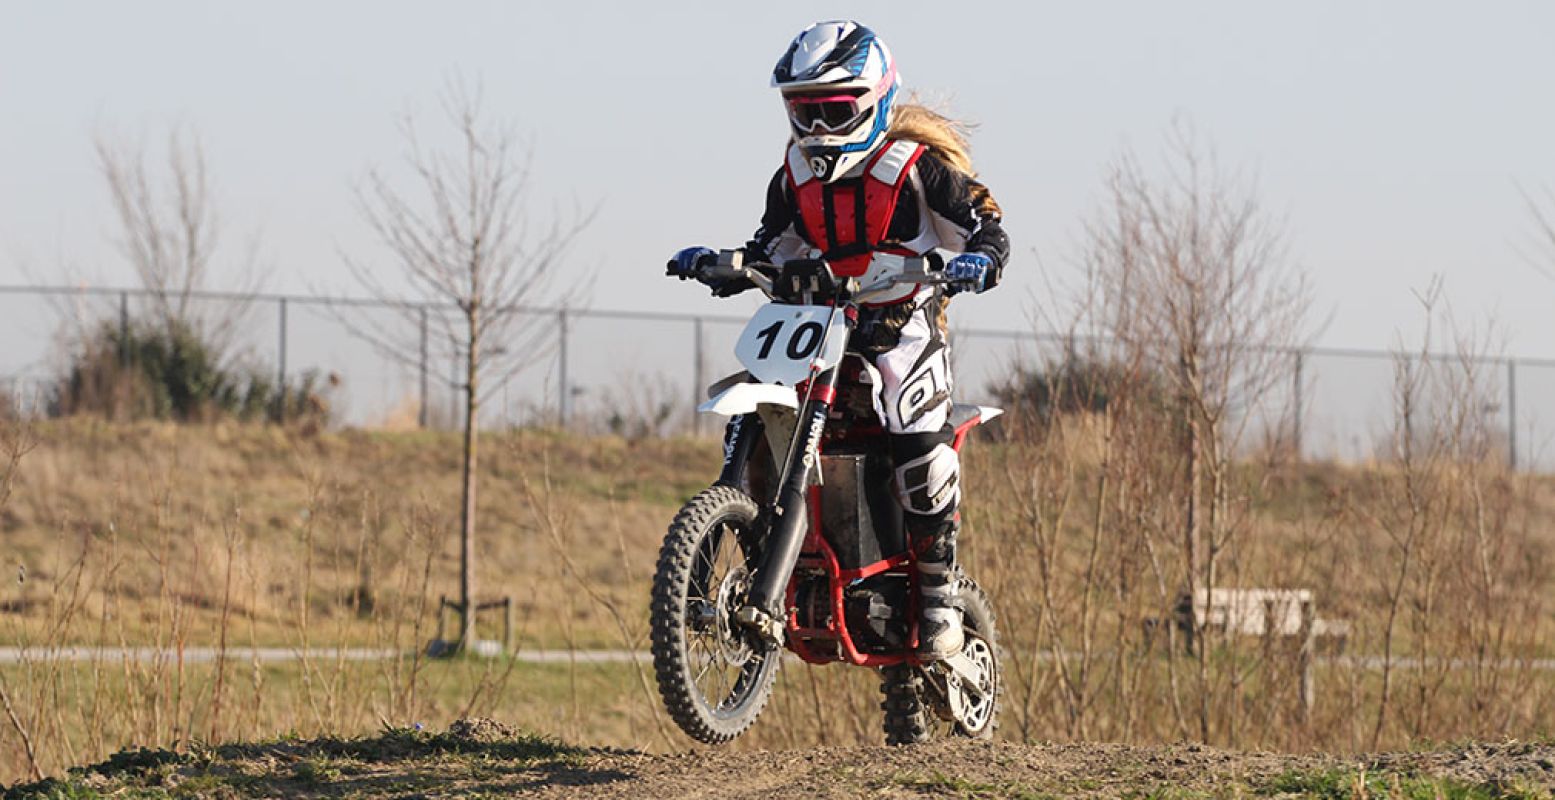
(826, 113)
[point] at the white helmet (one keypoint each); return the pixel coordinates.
(839, 84)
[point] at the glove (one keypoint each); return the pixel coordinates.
(968, 272)
(729, 287)
(685, 263)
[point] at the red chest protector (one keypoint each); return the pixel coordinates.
(848, 220)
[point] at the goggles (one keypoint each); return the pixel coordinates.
(826, 113)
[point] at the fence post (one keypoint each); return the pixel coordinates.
(507, 625)
(698, 379)
(280, 377)
(563, 391)
(1298, 387)
(1307, 692)
(422, 418)
(1511, 412)
(124, 328)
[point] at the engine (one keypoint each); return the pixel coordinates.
(877, 613)
(875, 609)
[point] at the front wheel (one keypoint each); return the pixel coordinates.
(715, 677)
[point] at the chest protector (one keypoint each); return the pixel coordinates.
(848, 220)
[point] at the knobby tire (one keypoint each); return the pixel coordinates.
(712, 720)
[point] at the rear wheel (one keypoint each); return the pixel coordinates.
(715, 677)
(918, 712)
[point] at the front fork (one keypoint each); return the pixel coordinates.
(764, 606)
(740, 440)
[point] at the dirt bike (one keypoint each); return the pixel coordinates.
(799, 544)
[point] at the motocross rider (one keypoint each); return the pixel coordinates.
(866, 173)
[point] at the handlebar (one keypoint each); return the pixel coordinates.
(731, 264)
(926, 269)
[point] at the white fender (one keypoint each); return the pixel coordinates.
(743, 398)
(985, 413)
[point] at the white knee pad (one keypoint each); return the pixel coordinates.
(931, 482)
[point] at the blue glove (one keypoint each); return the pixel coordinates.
(685, 263)
(968, 272)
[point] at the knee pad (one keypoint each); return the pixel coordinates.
(930, 483)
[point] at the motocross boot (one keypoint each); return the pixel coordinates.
(940, 633)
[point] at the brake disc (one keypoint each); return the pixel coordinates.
(733, 642)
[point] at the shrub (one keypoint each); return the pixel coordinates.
(167, 371)
(1078, 384)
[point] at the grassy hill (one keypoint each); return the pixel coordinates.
(123, 536)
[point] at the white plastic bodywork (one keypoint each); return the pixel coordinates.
(986, 413)
(743, 398)
(814, 332)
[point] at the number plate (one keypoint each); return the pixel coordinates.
(782, 342)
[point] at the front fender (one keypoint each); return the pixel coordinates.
(743, 398)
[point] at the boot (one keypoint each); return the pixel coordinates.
(940, 634)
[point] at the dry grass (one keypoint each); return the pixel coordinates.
(1078, 553)
(226, 537)
(185, 536)
(123, 514)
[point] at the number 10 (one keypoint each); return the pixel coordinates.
(802, 343)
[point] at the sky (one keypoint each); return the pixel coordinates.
(1389, 138)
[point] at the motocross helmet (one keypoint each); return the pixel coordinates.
(839, 85)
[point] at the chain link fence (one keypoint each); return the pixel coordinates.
(640, 373)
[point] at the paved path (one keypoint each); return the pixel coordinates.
(268, 655)
(1408, 663)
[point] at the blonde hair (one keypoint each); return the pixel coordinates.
(945, 137)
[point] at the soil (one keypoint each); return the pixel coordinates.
(999, 769)
(486, 758)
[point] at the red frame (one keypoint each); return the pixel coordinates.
(962, 431)
(817, 552)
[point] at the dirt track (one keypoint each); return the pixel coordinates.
(953, 768)
(987, 770)
(486, 759)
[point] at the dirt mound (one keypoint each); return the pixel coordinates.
(1508, 764)
(488, 758)
(483, 731)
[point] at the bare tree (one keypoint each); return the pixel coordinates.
(1194, 282)
(1454, 571)
(1541, 209)
(473, 256)
(16, 439)
(167, 229)
(170, 234)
